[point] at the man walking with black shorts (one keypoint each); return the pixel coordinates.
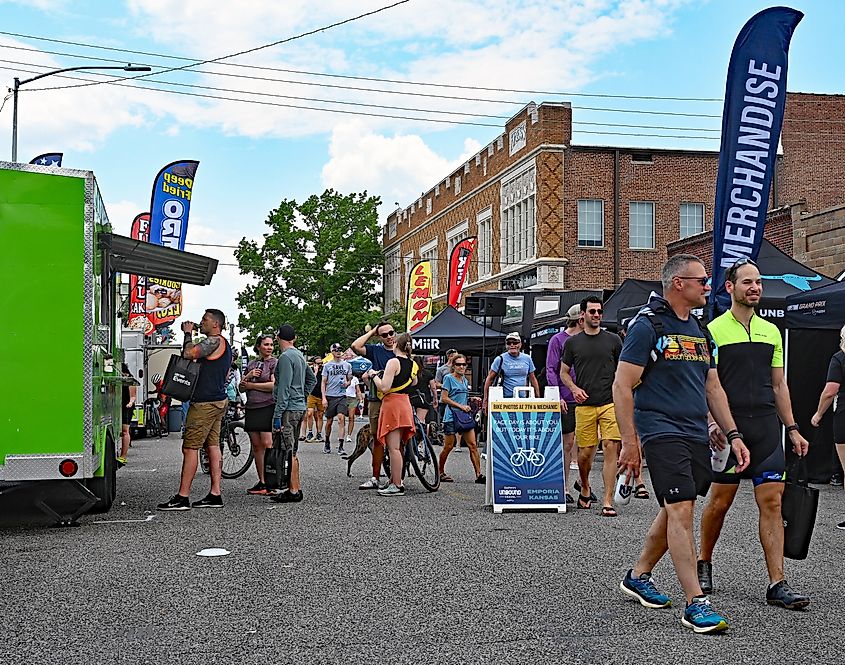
(337, 374)
(750, 365)
(665, 382)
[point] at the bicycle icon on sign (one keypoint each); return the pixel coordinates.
(527, 462)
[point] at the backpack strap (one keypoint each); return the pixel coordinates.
(500, 375)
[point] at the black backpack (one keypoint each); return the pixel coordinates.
(654, 315)
(277, 465)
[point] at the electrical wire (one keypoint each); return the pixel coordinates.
(372, 79)
(246, 51)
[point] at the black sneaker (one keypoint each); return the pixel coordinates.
(841, 525)
(210, 501)
(577, 488)
(705, 577)
(287, 497)
(836, 480)
(178, 502)
(782, 595)
(327, 449)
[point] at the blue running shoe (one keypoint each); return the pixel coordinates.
(642, 588)
(702, 618)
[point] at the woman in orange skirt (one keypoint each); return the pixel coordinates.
(396, 420)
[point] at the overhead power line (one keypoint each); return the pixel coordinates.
(250, 50)
(373, 79)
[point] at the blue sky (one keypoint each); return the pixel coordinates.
(253, 156)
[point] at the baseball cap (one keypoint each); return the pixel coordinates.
(286, 332)
(514, 335)
(337, 347)
(574, 312)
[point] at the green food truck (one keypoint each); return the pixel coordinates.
(60, 335)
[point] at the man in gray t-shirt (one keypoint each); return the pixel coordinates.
(337, 374)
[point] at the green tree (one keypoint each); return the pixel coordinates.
(317, 269)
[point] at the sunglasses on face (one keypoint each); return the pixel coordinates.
(389, 333)
(595, 311)
(459, 364)
(513, 342)
(701, 280)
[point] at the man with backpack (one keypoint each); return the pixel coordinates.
(665, 384)
(514, 369)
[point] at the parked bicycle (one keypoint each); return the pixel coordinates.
(153, 423)
(234, 444)
(419, 454)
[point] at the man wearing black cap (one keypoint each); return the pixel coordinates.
(337, 374)
(294, 380)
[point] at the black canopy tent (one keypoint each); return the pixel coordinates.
(813, 321)
(782, 276)
(451, 329)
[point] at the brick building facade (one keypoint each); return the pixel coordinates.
(552, 215)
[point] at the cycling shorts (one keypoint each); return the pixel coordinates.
(839, 427)
(567, 420)
(763, 439)
(680, 470)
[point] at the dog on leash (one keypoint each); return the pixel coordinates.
(363, 442)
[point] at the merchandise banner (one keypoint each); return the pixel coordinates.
(48, 159)
(418, 308)
(755, 97)
(138, 319)
(459, 268)
(170, 204)
(525, 452)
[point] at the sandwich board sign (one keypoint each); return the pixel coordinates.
(525, 451)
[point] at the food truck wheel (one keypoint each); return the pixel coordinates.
(106, 487)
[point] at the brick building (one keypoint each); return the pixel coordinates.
(552, 215)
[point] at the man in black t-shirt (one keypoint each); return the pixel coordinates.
(835, 389)
(594, 355)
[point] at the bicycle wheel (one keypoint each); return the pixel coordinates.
(205, 467)
(236, 449)
(421, 454)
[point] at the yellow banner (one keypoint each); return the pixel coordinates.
(419, 296)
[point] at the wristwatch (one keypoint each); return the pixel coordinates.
(792, 428)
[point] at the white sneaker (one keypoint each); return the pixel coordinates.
(371, 484)
(349, 440)
(392, 490)
(573, 465)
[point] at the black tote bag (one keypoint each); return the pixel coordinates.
(180, 378)
(800, 504)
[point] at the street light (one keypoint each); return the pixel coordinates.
(19, 83)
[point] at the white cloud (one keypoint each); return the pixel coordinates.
(397, 167)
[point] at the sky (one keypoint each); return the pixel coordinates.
(267, 140)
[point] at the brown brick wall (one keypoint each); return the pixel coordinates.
(813, 165)
(778, 231)
(669, 180)
(820, 240)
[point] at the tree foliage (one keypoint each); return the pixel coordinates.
(317, 269)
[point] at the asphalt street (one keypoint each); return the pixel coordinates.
(349, 576)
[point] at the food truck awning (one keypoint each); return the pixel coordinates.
(135, 257)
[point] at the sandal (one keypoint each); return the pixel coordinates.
(446, 478)
(584, 502)
(608, 511)
(640, 492)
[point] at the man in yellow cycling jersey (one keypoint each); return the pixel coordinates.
(749, 359)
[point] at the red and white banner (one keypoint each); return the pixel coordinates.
(138, 319)
(459, 268)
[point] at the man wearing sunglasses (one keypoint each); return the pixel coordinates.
(516, 369)
(665, 385)
(594, 354)
(750, 365)
(378, 354)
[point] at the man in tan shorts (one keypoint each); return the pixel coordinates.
(208, 404)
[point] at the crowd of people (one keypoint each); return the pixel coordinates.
(702, 404)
